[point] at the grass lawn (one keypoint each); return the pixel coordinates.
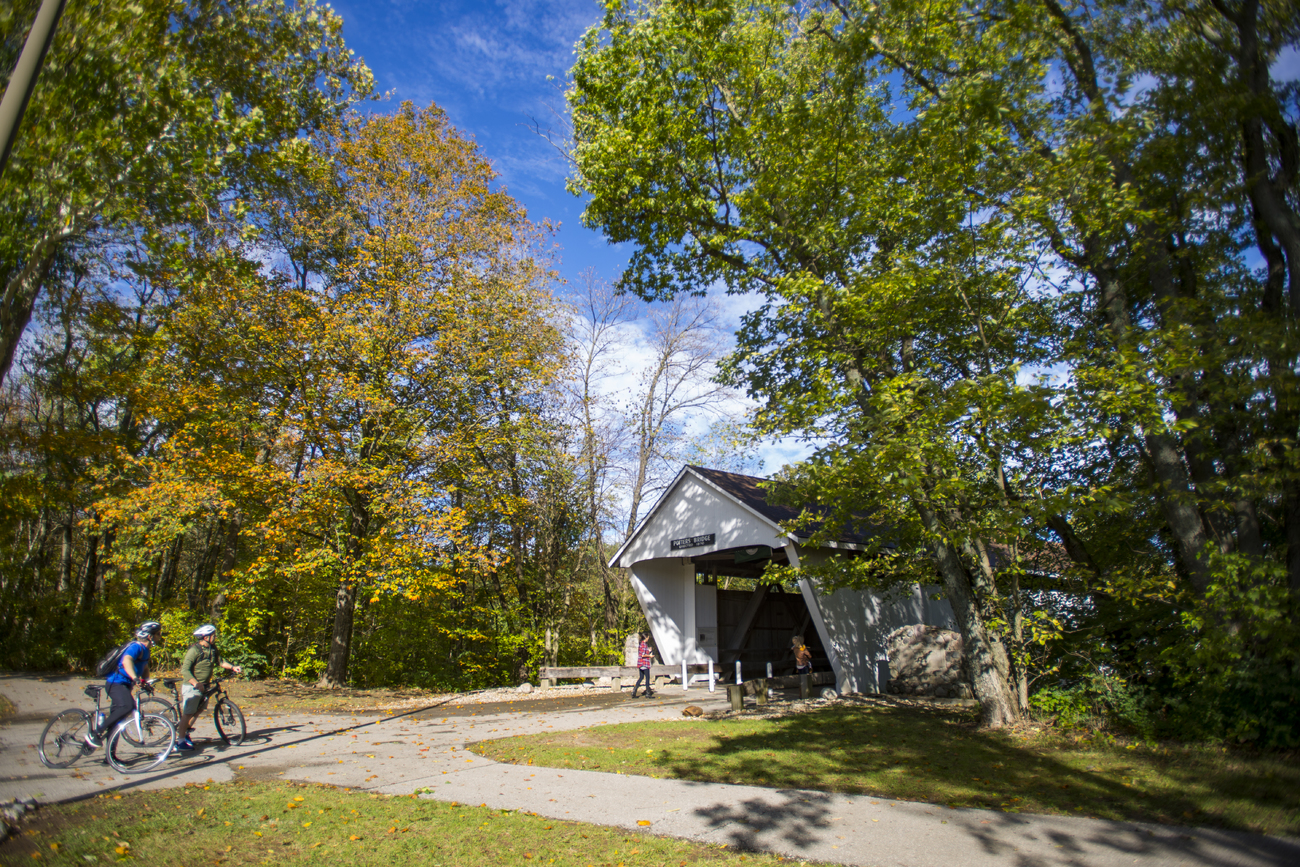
(284, 823)
(938, 756)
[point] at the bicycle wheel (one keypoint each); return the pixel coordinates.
(152, 733)
(63, 740)
(161, 707)
(136, 749)
(229, 720)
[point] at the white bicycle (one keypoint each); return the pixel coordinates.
(142, 741)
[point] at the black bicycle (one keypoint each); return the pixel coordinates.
(226, 715)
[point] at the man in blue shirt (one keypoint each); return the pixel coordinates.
(132, 668)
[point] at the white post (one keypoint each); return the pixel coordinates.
(686, 684)
(710, 674)
(769, 671)
(738, 671)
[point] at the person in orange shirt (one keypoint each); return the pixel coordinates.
(802, 656)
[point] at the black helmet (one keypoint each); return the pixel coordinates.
(150, 629)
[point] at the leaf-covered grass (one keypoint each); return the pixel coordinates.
(259, 823)
(938, 756)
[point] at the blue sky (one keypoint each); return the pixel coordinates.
(497, 68)
(487, 65)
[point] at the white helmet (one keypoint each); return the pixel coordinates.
(205, 630)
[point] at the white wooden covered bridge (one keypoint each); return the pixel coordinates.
(711, 527)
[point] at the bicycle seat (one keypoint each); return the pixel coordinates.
(170, 682)
(93, 690)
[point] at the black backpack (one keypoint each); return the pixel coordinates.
(111, 660)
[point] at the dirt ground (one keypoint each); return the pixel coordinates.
(292, 695)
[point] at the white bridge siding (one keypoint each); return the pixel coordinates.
(855, 623)
(692, 508)
(683, 615)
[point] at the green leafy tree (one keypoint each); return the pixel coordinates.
(940, 202)
(155, 114)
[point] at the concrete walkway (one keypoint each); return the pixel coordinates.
(399, 753)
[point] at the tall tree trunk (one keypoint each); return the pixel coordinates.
(345, 596)
(998, 705)
(17, 301)
(105, 555)
(89, 572)
(197, 597)
(336, 667)
(65, 556)
(171, 562)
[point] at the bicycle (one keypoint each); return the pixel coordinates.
(141, 737)
(142, 741)
(63, 740)
(226, 715)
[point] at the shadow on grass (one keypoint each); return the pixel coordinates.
(937, 756)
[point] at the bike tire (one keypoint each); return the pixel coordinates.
(229, 720)
(63, 739)
(161, 707)
(132, 751)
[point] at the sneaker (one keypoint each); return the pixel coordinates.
(185, 744)
(90, 741)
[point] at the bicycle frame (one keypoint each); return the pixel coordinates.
(216, 689)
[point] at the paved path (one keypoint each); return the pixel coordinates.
(399, 753)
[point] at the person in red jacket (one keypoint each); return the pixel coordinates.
(644, 658)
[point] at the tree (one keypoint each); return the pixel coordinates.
(685, 345)
(934, 216)
(433, 336)
(161, 113)
(826, 358)
(598, 322)
(633, 438)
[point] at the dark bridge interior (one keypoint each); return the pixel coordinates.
(755, 626)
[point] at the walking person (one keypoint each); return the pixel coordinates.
(200, 661)
(802, 656)
(132, 668)
(644, 658)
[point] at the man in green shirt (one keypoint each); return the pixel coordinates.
(196, 670)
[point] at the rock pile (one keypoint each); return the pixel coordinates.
(12, 812)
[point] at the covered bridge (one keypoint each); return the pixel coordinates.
(710, 528)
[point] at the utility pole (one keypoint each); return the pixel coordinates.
(23, 81)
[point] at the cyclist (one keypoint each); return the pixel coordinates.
(132, 668)
(196, 670)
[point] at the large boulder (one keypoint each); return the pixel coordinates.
(926, 660)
